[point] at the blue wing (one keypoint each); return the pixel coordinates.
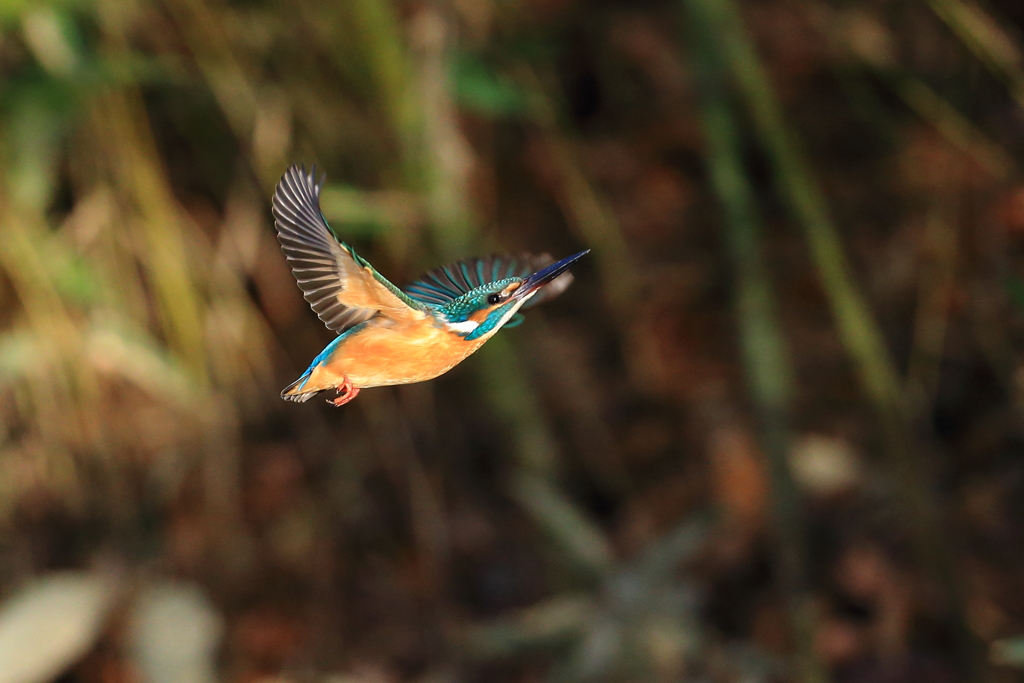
(441, 285)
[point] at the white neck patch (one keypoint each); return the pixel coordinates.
(468, 326)
(465, 327)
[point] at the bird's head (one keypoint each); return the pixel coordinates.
(482, 311)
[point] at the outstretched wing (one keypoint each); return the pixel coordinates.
(341, 287)
(441, 285)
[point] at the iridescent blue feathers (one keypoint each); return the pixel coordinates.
(442, 285)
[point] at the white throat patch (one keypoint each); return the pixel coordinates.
(465, 327)
(468, 326)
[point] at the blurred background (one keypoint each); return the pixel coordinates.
(773, 432)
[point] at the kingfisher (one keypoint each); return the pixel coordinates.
(387, 335)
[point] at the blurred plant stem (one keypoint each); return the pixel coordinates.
(162, 243)
(446, 163)
(512, 396)
(765, 357)
(56, 380)
(878, 57)
(935, 293)
(984, 36)
(954, 126)
(130, 153)
(58, 387)
(203, 27)
(583, 207)
(447, 157)
(392, 70)
(162, 235)
(858, 330)
(577, 537)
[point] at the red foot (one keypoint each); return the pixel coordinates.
(346, 392)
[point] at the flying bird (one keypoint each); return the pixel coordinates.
(387, 335)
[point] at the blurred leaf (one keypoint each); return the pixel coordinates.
(981, 32)
(553, 621)
(53, 37)
(18, 351)
(50, 623)
(596, 655)
(36, 127)
(661, 558)
(480, 88)
(1015, 290)
(137, 359)
(76, 279)
(576, 535)
(175, 634)
(640, 613)
(1009, 652)
(358, 213)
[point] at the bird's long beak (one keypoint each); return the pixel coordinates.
(546, 275)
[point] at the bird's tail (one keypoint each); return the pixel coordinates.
(297, 391)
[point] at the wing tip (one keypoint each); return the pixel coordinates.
(298, 193)
(308, 178)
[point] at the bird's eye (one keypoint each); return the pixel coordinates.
(493, 298)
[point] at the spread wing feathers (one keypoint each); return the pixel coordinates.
(341, 287)
(441, 285)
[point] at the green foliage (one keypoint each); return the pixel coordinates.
(478, 87)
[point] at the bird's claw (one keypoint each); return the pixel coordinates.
(346, 392)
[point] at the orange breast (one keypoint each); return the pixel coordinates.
(387, 352)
